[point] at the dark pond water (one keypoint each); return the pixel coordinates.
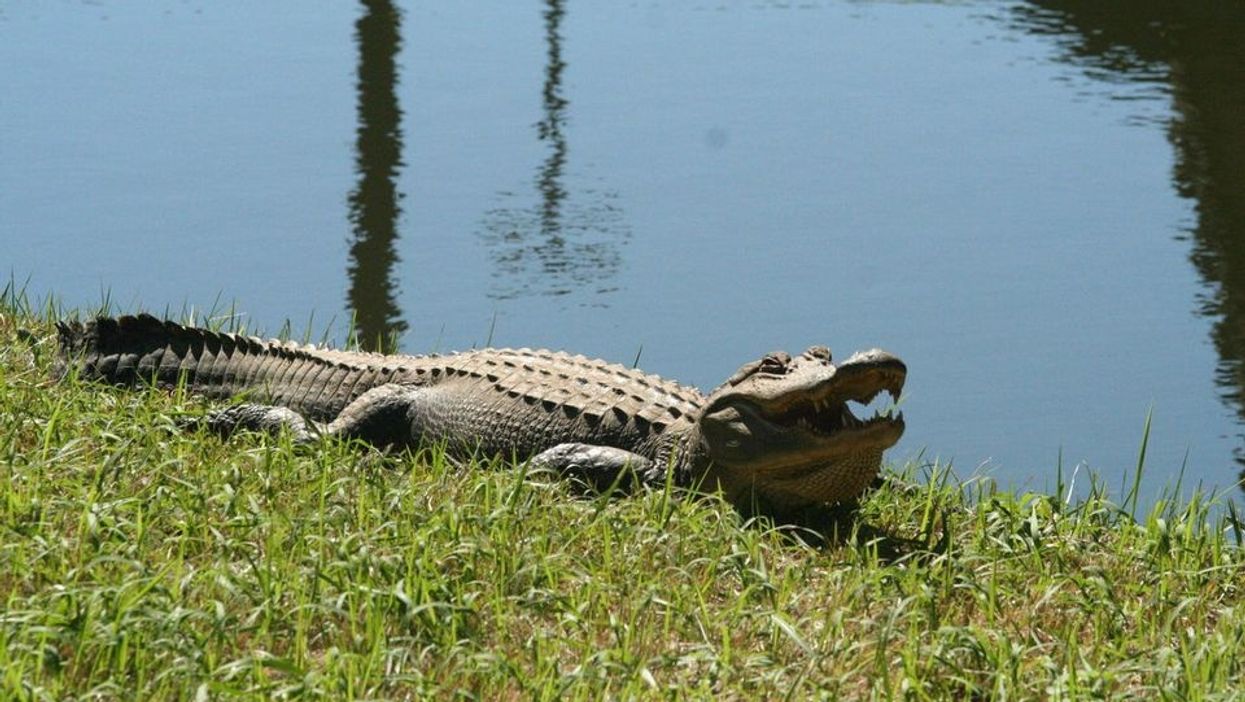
(1041, 208)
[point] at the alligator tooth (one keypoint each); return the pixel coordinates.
(895, 387)
(848, 419)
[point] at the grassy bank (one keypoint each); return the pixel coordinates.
(137, 560)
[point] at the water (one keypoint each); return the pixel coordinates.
(1038, 208)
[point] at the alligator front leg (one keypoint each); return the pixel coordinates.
(600, 468)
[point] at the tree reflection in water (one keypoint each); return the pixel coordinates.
(374, 203)
(566, 241)
(1197, 50)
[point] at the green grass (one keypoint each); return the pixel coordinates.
(137, 561)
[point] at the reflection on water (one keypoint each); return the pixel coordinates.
(566, 241)
(374, 203)
(1198, 48)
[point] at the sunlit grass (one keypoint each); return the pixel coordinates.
(138, 561)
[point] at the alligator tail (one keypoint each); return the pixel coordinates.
(141, 349)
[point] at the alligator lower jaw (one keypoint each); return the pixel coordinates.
(848, 427)
(815, 450)
(822, 421)
(802, 478)
(837, 481)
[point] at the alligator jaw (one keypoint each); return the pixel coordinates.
(822, 414)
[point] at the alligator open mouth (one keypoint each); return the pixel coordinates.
(828, 417)
(827, 410)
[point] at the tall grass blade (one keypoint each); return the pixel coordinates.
(1130, 500)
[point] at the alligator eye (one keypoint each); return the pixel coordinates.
(818, 353)
(775, 362)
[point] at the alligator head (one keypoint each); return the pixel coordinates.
(780, 429)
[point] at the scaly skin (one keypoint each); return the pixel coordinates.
(777, 434)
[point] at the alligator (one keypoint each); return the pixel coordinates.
(778, 433)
